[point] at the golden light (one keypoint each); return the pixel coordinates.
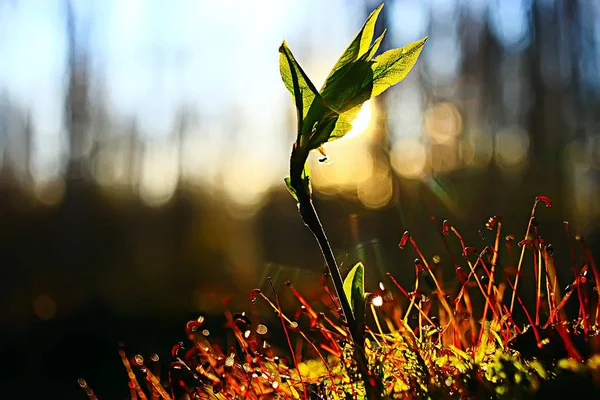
(351, 164)
(512, 147)
(409, 157)
(50, 192)
(376, 192)
(377, 301)
(443, 123)
(362, 121)
(159, 174)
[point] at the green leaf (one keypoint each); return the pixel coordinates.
(354, 287)
(297, 82)
(393, 66)
(288, 184)
(359, 46)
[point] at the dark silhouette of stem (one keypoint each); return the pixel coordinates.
(311, 219)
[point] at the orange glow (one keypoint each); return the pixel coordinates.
(512, 147)
(362, 122)
(409, 158)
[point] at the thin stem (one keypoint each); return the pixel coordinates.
(311, 219)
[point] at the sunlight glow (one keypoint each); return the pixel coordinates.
(409, 158)
(377, 301)
(362, 122)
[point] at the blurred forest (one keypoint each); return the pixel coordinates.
(139, 190)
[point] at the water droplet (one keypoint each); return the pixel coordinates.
(437, 259)
(275, 384)
(377, 301)
(247, 334)
(154, 357)
(509, 238)
(82, 383)
(293, 325)
(205, 332)
(545, 199)
(261, 329)
(229, 362)
(404, 239)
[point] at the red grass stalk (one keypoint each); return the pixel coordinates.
(592, 262)
(516, 286)
(287, 334)
(577, 277)
(131, 375)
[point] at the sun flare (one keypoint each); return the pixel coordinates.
(362, 121)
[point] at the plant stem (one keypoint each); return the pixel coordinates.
(311, 219)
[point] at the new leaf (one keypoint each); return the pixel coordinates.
(354, 288)
(357, 76)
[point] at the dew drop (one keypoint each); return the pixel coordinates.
(205, 332)
(139, 360)
(154, 357)
(247, 334)
(261, 329)
(437, 259)
(82, 383)
(377, 301)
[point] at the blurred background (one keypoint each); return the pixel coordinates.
(143, 146)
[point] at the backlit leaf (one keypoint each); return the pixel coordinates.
(359, 46)
(393, 66)
(297, 82)
(354, 287)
